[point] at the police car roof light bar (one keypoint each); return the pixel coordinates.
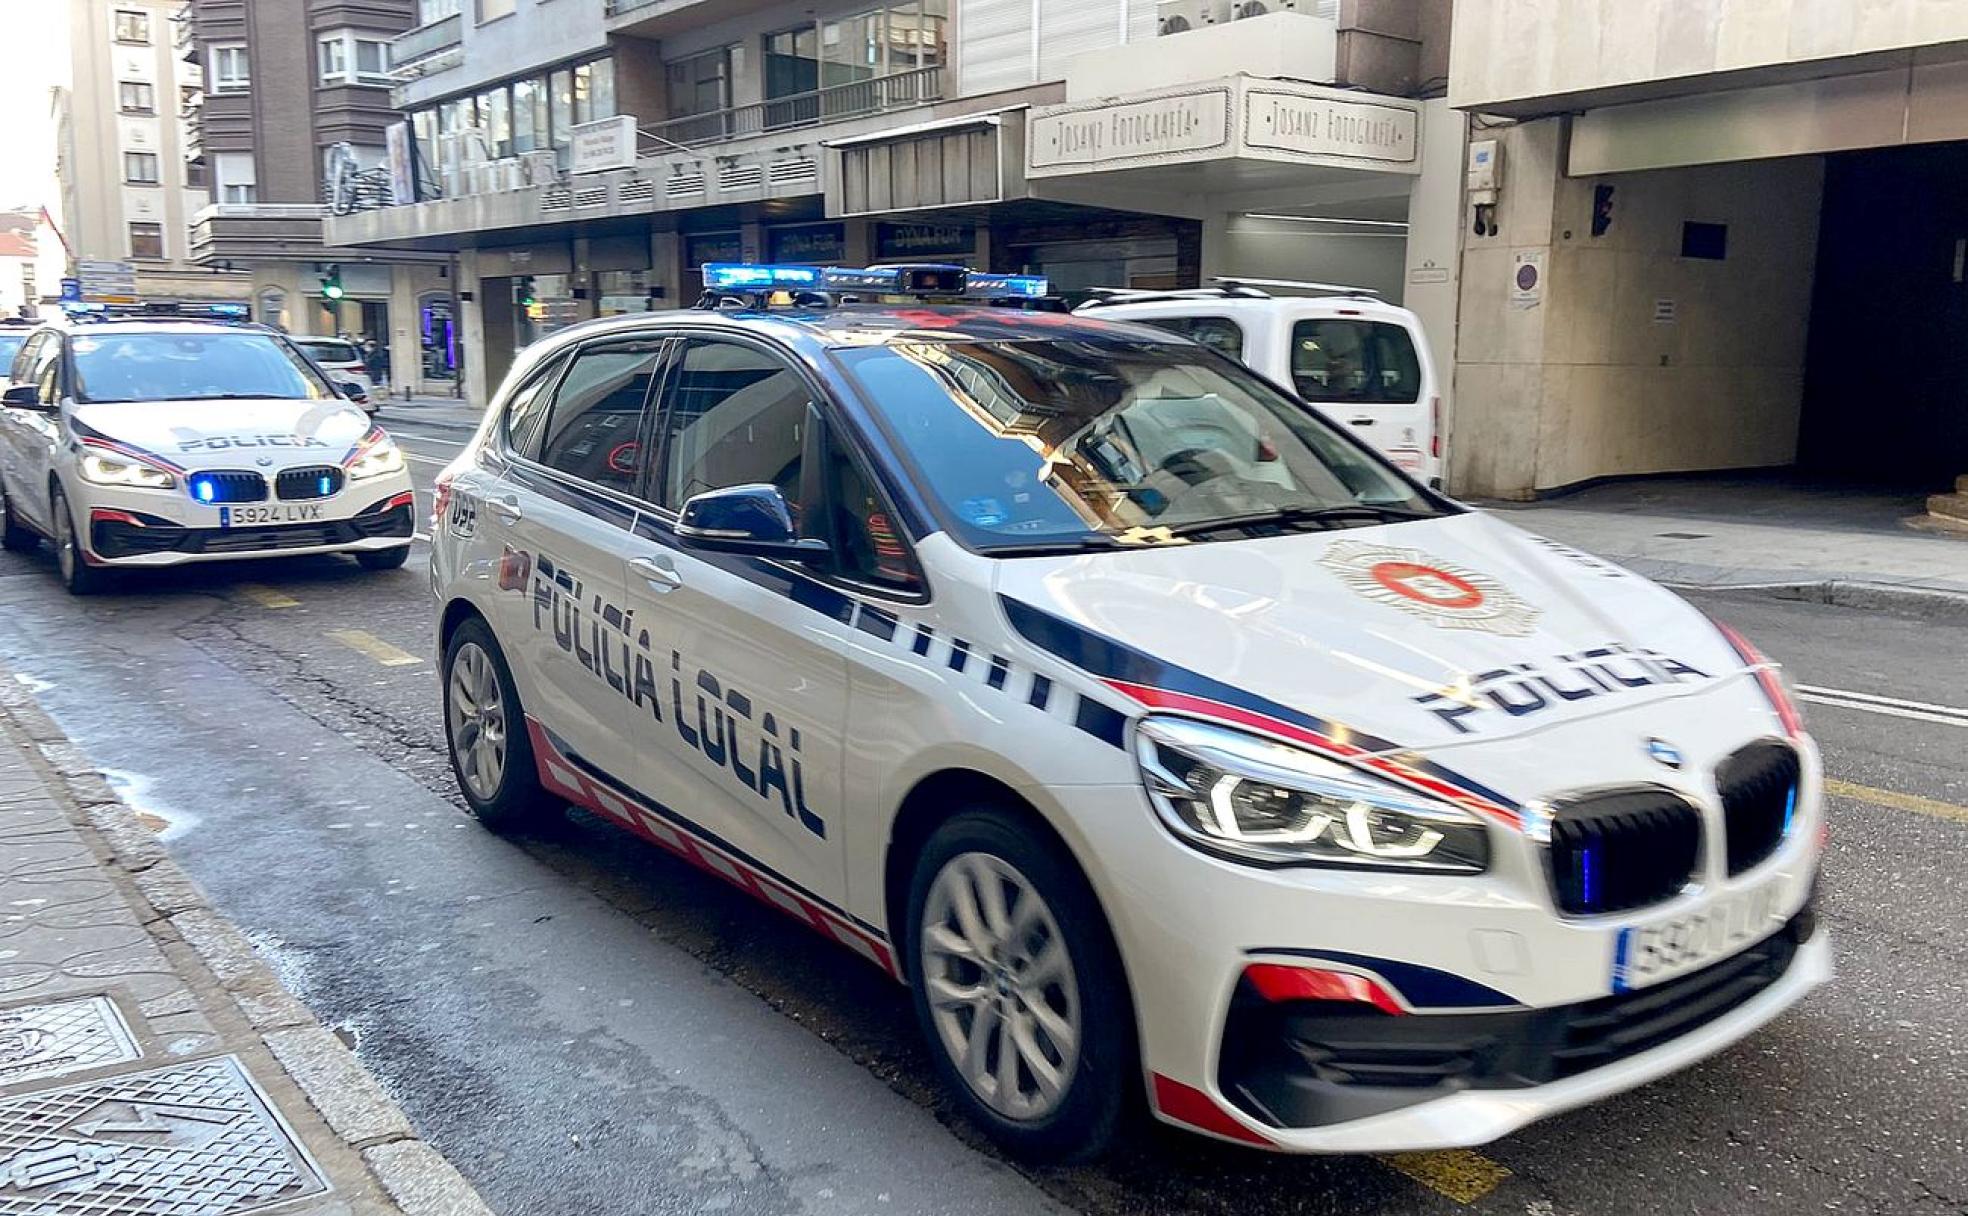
(722, 279)
(155, 310)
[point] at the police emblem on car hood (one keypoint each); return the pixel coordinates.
(1439, 592)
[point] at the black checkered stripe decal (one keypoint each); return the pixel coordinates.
(928, 645)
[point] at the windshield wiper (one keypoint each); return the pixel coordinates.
(1056, 548)
(1295, 516)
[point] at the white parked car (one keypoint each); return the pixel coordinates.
(1363, 361)
(343, 362)
(1172, 746)
(155, 442)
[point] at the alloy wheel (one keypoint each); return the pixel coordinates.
(1001, 986)
(477, 710)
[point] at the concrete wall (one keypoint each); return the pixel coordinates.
(1597, 379)
(1506, 50)
(535, 35)
(1271, 249)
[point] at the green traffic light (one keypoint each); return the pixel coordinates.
(333, 291)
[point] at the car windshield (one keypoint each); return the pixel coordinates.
(329, 352)
(181, 366)
(1064, 443)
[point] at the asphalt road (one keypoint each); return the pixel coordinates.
(585, 1025)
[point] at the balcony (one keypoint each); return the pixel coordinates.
(244, 231)
(658, 18)
(428, 48)
(191, 127)
(859, 99)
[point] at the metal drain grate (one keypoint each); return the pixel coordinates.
(195, 1139)
(41, 1041)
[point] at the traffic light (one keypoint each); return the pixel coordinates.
(331, 283)
(1602, 210)
(528, 296)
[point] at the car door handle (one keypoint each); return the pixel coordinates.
(659, 572)
(1361, 421)
(507, 509)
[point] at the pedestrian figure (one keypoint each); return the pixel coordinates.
(376, 360)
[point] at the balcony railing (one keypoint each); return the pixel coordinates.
(407, 48)
(875, 95)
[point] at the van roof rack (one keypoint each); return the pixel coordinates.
(1224, 288)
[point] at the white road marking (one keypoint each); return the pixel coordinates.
(1894, 707)
(449, 443)
(412, 456)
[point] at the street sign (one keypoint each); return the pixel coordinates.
(104, 280)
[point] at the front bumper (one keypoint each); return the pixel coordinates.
(120, 537)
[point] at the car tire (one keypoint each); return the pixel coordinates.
(502, 784)
(15, 536)
(76, 573)
(1020, 991)
(384, 559)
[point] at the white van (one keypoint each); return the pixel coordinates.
(342, 360)
(1360, 359)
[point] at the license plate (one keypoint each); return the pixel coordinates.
(262, 517)
(1660, 950)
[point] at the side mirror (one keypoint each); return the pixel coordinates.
(21, 396)
(752, 519)
(351, 390)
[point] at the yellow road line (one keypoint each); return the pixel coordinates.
(267, 597)
(1898, 801)
(1458, 1173)
(373, 646)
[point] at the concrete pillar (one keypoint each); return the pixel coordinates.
(859, 245)
(473, 339)
(1215, 255)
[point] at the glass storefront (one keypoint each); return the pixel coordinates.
(514, 118)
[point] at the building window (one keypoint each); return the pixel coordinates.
(230, 73)
(876, 42)
(146, 240)
(238, 180)
(346, 57)
(140, 168)
(132, 27)
(492, 10)
(195, 178)
(136, 97)
(435, 10)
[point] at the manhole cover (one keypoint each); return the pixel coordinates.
(39, 1041)
(195, 1139)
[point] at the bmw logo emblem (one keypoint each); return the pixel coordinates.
(265, 462)
(1664, 753)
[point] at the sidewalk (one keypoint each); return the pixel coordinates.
(444, 413)
(150, 1064)
(1835, 544)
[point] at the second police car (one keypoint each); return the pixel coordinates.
(161, 438)
(1172, 747)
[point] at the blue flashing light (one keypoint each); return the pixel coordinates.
(1790, 808)
(203, 490)
(1586, 883)
(228, 310)
(324, 486)
(740, 276)
(1001, 286)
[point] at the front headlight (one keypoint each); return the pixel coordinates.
(1251, 799)
(384, 457)
(105, 471)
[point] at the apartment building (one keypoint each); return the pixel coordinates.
(293, 126)
(1745, 224)
(128, 182)
(584, 157)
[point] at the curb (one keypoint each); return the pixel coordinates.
(1848, 593)
(347, 1096)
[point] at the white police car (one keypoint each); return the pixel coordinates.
(155, 440)
(1171, 745)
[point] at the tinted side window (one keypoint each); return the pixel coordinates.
(732, 416)
(45, 369)
(526, 413)
(1340, 359)
(1218, 333)
(868, 543)
(594, 428)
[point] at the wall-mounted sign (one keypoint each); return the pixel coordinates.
(1316, 125)
(1665, 312)
(893, 241)
(606, 143)
(1154, 127)
(702, 247)
(815, 244)
(1527, 278)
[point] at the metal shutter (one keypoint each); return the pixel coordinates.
(1067, 27)
(994, 45)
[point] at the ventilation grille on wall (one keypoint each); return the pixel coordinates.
(733, 178)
